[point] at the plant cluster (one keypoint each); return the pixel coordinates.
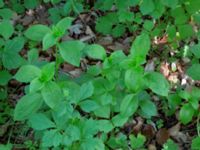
(89, 111)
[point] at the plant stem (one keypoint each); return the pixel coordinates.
(198, 125)
(57, 63)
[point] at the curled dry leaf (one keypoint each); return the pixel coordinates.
(162, 136)
(164, 69)
(173, 131)
(148, 131)
(137, 128)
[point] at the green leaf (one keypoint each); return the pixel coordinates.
(169, 145)
(14, 45)
(5, 76)
(119, 120)
(194, 71)
(36, 85)
(170, 3)
(147, 6)
(95, 51)
(134, 79)
(51, 138)
(88, 105)
(48, 41)
(86, 90)
(185, 31)
(186, 113)
(12, 60)
(140, 48)
(27, 105)
(6, 29)
(196, 143)
(1, 3)
(48, 72)
(103, 111)
(151, 80)
(30, 4)
(195, 49)
(64, 24)
(137, 142)
(6, 13)
(37, 32)
(27, 73)
(52, 94)
(6, 147)
(71, 51)
(105, 125)
(148, 108)
(129, 105)
(39, 121)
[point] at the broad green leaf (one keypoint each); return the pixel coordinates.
(5, 76)
(6, 147)
(36, 85)
(194, 71)
(86, 90)
(103, 111)
(170, 3)
(33, 55)
(64, 24)
(71, 51)
(151, 79)
(52, 94)
(185, 31)
(39, 121)
(140, 48)
(27, 73)
(48, 41)
(148, 108)
(6, 29)
(12, 60)
(48, 72)
(14, 45)
(37, 32)
(88, 105)
(134, 79)
(196, 143)
(6, 13)
(186, 113)
(1, 3)
(147, 6)
(129, 105)
(51, 138)
(95, 51)
(27, 105)
(137, 142)
(105, 125)
(30, 4)
(169, 145)
(119, 120)
(195, 49)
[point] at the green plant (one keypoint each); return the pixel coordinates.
(89, 112)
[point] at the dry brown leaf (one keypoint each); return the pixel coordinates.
(162, 136)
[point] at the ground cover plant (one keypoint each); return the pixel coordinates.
(96, 74)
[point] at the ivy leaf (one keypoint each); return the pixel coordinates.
(95, 51)
(186, 113)
(52, 94)
(5, 76)
(27, 73)
(27, 105)
(37, 32)
(194, 71)
(147, 6)
(151, 80)
(6, 29)
(39, 121)
(71, 51)
(129, 105)
(140, 48)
